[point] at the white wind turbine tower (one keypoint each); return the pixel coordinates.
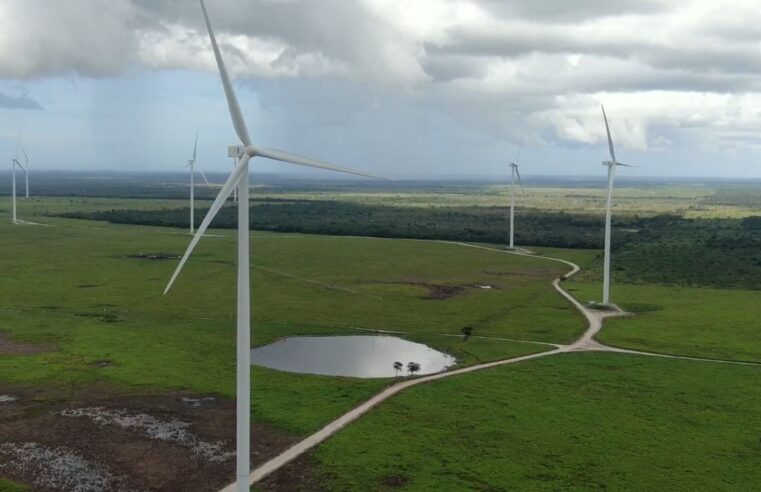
(612, 163)
(239, 178)
(515, 172)
(191, 163)
(26, 172)
(14, 163)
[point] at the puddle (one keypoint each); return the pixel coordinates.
(8, 398)
(197, 402)
(361, 356)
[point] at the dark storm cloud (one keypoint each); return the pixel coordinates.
(21, 101)
(506, 69)
(43, 37)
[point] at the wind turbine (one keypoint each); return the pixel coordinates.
(239, 178)
(14, 163)
(612, 163)
(26, 172)
(191, 163)
(515, 172)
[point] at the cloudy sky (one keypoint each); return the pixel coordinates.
(423, 88)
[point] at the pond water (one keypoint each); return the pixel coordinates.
(359, 356)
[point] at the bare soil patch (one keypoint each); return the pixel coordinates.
(441, 292)
(297, 476)
(156, 256)
(97, 439)
(8, 346)
(436, 292)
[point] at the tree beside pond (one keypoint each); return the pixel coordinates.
(413, 367)
(466, 331)
(398, 366)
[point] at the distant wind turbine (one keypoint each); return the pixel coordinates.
(240, 178)
(612, 163)
(191, 163)
(14, 163)
(26, 172)
(515, 173)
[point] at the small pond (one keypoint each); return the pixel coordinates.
(359, 356)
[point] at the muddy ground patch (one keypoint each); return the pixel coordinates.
(99, 440)
(434, 292)
(10, 347)
(300, 475)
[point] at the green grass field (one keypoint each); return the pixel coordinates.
(698, 322)
(81, 290)
(86, 291)
(8, 486)
(575, 422)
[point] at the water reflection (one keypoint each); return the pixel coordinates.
(361, 356)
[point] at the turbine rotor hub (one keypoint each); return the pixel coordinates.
(238, 151)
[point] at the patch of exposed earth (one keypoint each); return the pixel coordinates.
(156, 256)
(8, 346)
(299, 475)
(435, 291)
(59, 468)
(96, 439)
(174, 430)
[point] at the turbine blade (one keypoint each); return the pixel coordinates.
(195, 146)
(26, 158)
(225, 192)
(517, 173)
(610, 140)
(232, 102)
(280, 155)
(204, 177)
(625, 165)
(518, 157)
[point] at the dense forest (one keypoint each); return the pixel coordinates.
(662, 248)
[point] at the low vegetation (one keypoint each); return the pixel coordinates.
(92, 298)
(667, 248)
(575, 422)
(81, 306)
(698, 322)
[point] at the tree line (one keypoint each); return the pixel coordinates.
(662, 249)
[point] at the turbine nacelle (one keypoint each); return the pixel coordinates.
(514, 166)
(616, 163)
(236, 151)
